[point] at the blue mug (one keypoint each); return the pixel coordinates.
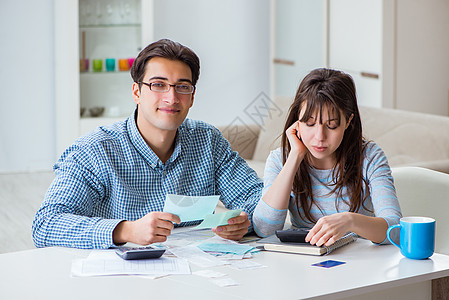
(416, 237)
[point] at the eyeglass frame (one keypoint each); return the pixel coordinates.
(150, 84)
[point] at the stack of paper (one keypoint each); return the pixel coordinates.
(107, 262)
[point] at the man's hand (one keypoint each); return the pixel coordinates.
(154, 227)
(237, 227)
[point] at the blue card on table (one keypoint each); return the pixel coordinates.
(328, 263)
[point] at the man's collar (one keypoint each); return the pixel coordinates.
(145, 150)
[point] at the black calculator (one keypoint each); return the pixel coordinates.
(139, 252)
(294, 235)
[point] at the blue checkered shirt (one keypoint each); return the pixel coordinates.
(111, 175)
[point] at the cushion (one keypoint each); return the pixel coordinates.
(270, 133)
(258, 166)
(407, 137)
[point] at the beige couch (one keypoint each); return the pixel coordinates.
(408, 138)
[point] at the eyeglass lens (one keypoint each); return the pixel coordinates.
(165, 87)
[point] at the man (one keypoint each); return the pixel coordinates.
(110, 185)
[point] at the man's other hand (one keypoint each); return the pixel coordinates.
(237, 227)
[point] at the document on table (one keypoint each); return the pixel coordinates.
(196, 256)
(109, 263)
(190, 208)
(187, 237)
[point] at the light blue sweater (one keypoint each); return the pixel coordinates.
(382, 201)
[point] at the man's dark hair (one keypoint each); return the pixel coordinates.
(165, 48)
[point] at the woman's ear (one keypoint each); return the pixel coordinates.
(349, 121)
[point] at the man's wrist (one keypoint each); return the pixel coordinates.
(121, 233)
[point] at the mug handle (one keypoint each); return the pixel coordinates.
(388, 234)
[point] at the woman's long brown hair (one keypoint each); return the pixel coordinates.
(334, 90)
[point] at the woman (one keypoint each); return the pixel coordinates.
(329, 178)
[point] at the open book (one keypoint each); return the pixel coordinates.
(272, 243)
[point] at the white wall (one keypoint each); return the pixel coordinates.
(423, 56)
(27, 123)
(231, 39)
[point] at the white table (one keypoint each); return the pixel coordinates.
(369, 271)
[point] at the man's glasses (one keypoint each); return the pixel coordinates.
(163, 87)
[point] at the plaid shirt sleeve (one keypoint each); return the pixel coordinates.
(67, 215)
(112, 175)
(238, 184)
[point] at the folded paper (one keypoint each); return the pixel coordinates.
(190, 208)
(220, 219)
(226, 248)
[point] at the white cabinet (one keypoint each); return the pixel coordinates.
(340, 34)
(298, 43)
(404, 43)
(355, 45)
(397, 51)
(96, 31)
